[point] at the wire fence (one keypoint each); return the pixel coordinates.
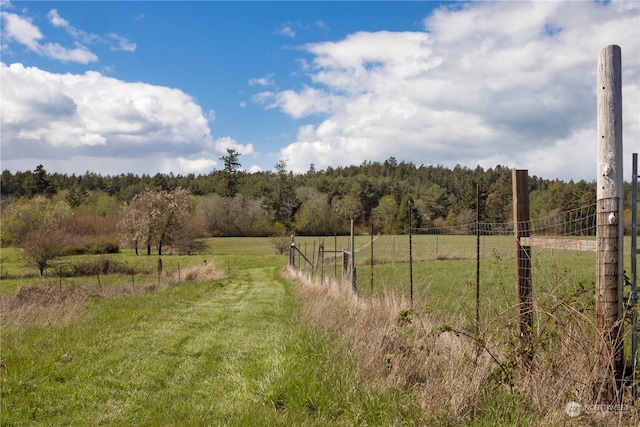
(447, 269)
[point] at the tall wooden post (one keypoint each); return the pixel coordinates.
(610, 232)
(353, 261)
(477, 260)
(371, 243)
(409, 206)
(524, 287)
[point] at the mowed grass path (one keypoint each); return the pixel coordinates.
(231, 352)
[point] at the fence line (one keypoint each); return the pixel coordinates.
(576, 222)
(397, 267)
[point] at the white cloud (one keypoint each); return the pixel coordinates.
(486, 82)
(226, 143)
(262, 81)
(57, 20)
(60, 118)
(121, 43)
(287, 31)
(196, 166)
(22, 30)
(321, 24)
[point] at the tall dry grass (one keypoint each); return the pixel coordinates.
(459, 376)
(58, 304)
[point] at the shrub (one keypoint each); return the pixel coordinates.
(92, 245)
(103, 265)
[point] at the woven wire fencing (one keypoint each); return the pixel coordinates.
(442, 269)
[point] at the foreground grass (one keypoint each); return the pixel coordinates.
(255, 349)
(227, 352)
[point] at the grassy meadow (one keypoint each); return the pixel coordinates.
(227, 337)
(444, 269)
(444, 298)
(223, 346)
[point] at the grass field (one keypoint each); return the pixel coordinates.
(239, 344)
(443, 270)
(229, 351)
(443, 275)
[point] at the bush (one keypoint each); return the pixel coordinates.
(85, 224)
(93, 246)
(103, 265)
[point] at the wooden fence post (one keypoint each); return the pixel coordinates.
(609, 229)
(478, 261)
(352, 272)
(524, 288)
(292, 252)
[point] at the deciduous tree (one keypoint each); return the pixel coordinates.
(43, 245)
(385, 212)
(315, 215)
(27, 215)
(39, 227)
(155, 217)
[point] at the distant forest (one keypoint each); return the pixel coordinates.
(232, 202)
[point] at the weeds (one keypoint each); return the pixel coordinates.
(463, 378)
(58, 303)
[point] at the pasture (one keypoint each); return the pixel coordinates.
(444, 268)
(224, 348)
(224, 338)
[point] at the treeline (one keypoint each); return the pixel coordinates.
(232, 202)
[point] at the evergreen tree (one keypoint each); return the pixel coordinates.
(230, 173)
(38, 183)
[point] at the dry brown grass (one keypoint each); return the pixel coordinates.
(200, 273)
(453, 372)
(58, 304)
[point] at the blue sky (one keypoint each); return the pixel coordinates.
(148, 87)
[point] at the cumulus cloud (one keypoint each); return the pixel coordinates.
(61, 118)
(228, 143)
(484, 83)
